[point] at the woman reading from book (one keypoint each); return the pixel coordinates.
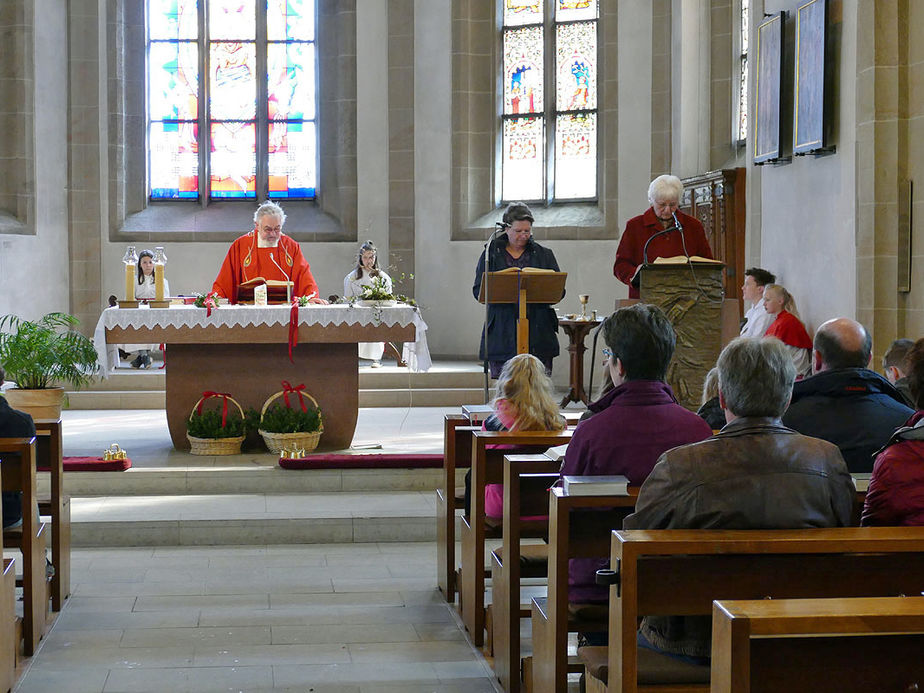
(267, 253)
(516, 248)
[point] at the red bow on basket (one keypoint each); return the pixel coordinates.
(287, 388)
(224, 404)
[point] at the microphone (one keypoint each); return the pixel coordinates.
(676, 221)
(653, 236)
(278, 267)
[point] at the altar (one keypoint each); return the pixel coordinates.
(244, 351)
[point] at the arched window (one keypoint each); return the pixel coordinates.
(231, 99)
(549, 95)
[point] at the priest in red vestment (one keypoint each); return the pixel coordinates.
(266, 252)
(664, 195)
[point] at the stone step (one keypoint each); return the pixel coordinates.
(253, 519)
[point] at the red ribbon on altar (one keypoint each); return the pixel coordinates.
(287, 389)
(293, 331)
(163, 348)
(208, 394)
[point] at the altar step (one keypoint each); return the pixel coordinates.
(448, 383)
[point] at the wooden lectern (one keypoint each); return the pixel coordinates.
(690, 294)
(522, 286)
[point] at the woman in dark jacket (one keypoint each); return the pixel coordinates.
(517, 249)
(896, 487)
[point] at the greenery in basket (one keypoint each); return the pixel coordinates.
(280, 419)
(39, 354)
(207, 424)
(376, 291)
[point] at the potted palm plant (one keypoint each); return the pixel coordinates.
(40, 356)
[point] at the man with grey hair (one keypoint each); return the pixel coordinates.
(683, 234)
(844, 402)
(268, 253)
(754, 474)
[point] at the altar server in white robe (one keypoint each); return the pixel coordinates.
(144, 290)
(365, 273)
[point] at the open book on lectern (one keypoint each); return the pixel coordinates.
(673, 260)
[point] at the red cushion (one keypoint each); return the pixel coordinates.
(377, 461)
(92, 464)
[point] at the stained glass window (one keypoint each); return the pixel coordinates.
(257, 136)
(741, 131)
(549, 132)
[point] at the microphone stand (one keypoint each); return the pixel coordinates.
(499, 226)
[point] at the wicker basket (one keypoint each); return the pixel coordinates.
(215, 446)
(277, 442)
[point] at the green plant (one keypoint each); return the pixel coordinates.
(376, 291)
(280, 419)
(38, 354)
(207, 424)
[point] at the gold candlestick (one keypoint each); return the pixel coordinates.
(131, 268)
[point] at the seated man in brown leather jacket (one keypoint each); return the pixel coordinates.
(754, 474)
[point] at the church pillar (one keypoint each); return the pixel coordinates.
(690, 84)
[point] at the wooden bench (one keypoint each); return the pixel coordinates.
(845, 645)
(49, 453)
(457, 453)
(488, 468)
(18, 455)
(527, 479)
(680, 572)
(573, 533)
(9, 635)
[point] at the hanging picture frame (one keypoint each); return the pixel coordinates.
(769, 82)
(809, 109)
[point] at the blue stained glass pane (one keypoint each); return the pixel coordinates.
(291, 81)
(173, 19)
(232, 19)
(292, 159)
(233, 90)
(173, 81)
(174, 160)
(290, 20)
(576, 54)
(233, 160)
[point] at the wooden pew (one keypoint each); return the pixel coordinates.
(681, 572)
(49, 451)
(18, 455)
(488, 468)
(9, 635)
(527, 479)
(571, 535)
(845, 645)
(457, 453)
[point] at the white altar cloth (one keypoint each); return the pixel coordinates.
(416, 353)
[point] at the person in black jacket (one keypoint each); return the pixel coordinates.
(13, 424)
(844, 402)
(516, 248)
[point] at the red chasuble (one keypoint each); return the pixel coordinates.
(789, 330)
(245, 261)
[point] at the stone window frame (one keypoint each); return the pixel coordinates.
(475, 156)
(739, 55)
(332, 216)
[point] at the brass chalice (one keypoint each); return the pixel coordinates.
(584, 298)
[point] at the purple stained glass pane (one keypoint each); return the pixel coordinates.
(233, 90)
(232, 19)
(518, 12)
(292, 159)
(291, 81)
(291, 20)
(233, 160)
(173, 19)
(571, 10)
(173, 81)
(523, 76)
(523, 159)
(576, 59)
(174, 160)
(576, 156)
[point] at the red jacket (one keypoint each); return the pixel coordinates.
(639, 229)
(896, 488)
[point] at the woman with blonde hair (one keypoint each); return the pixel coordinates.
(523, 401)
(788, 328)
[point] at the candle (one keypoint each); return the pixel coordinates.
(159, 282)
(129, 282)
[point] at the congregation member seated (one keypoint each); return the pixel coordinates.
(754, 474)
(844, 402)
(756, 319)
(523, 401)
(710, 410)
(788, 328)
(633, 423)
(896, 487)
(895, 366)
(13, 424)
(268, 253)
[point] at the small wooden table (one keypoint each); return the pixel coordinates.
(577, 330)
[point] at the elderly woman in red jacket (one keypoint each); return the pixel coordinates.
(896, 488)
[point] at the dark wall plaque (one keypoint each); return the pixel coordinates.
(769, 76)
(809, 108)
